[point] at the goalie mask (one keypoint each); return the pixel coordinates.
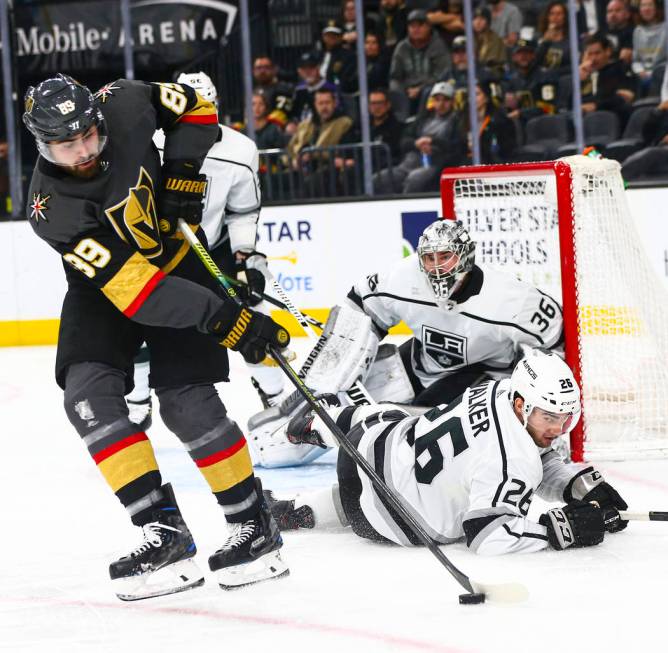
(549, 390)
(202, 83)
(446, 254)
(65, 120)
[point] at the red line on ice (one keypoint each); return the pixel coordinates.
(263, 621)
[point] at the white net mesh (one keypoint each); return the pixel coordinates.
(622, 305)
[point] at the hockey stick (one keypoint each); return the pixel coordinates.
(649, 515)
(476, 592)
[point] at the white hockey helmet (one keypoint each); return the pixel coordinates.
(202, 83)
(439, 238)
(544, 381)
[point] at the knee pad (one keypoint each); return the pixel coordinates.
(192, 410)
(94, 397)
(387, 379)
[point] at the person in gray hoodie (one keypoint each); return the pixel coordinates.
(649, 42)
(418, 60)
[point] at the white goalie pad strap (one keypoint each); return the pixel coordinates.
(387, 380)
(344, 353)
(269, 445)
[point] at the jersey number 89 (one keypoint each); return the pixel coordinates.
(88, 255)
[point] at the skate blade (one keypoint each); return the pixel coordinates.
(269, 566)
(177, 577)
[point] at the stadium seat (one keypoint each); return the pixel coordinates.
(400, 104)
(600, 128)
(543, 136)
(631, 140)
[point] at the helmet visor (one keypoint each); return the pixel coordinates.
(80, 149)
(555, 423)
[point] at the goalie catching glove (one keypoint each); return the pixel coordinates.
(247, 332)
(590, 486)
(183, 190)
(576, 524)
(248, 266)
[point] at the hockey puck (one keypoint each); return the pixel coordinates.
(470, 599)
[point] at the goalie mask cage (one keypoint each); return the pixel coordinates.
(565, 226)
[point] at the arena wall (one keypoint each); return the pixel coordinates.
(316, 252)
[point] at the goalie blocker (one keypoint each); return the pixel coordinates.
(346, 352)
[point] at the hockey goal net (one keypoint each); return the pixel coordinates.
(565, 226)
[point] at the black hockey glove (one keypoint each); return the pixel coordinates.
(589, 486)
(248, 267)
(247, 332)
(181, 195)
(576, 524)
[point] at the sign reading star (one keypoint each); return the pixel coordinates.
(38, 206)
(106, 92)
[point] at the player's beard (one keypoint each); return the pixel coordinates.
(87, 171)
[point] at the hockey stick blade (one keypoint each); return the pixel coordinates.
(648, 515)
(502, 592)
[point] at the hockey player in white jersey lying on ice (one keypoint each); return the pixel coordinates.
(468, 469)
(469, 322)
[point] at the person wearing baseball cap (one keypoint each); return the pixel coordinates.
(530, 91)
(438, 142)
(418, 60)
(338, 64)
(489, 46)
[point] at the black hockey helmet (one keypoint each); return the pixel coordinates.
(60, 109)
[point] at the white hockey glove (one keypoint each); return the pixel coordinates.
(576, 524)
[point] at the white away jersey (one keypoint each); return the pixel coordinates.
(233, 192)
(494, 315)
(468, 469)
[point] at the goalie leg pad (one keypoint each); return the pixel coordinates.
(269, 444)
(387, 380)
(344, 352)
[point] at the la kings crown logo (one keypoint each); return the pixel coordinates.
(447, 349)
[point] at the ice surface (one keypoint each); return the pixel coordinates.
(61, 526)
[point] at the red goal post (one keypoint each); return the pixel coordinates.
(565, 226)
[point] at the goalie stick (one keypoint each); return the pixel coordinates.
(476, 592)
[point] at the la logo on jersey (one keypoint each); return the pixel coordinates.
(447, 349)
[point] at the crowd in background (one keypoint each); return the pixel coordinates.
(416, 69)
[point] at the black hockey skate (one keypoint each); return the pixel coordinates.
(251, 552)
(300, 427)
(287, 517)
(162, 563)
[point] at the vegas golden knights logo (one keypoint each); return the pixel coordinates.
(135, 218)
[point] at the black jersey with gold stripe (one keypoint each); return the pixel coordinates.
(106, 227)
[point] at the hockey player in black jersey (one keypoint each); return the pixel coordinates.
(100, 197)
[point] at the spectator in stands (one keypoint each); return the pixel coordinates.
(418, 60)
(506, 20)
(652, 161)
(348, 24)
(303, 107)
(337, 64)
(457, 73)
(554, 46)
(268, 135)
(446, 17)
(529, 90)
(277, 94)
(377, 61)
(649, 42)
(326, 127)
(392, 22)
(590, 17)
(620, 29)
(496, 130)
(607, 84)
(489, 46)
(385, 128)
(433, 143)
